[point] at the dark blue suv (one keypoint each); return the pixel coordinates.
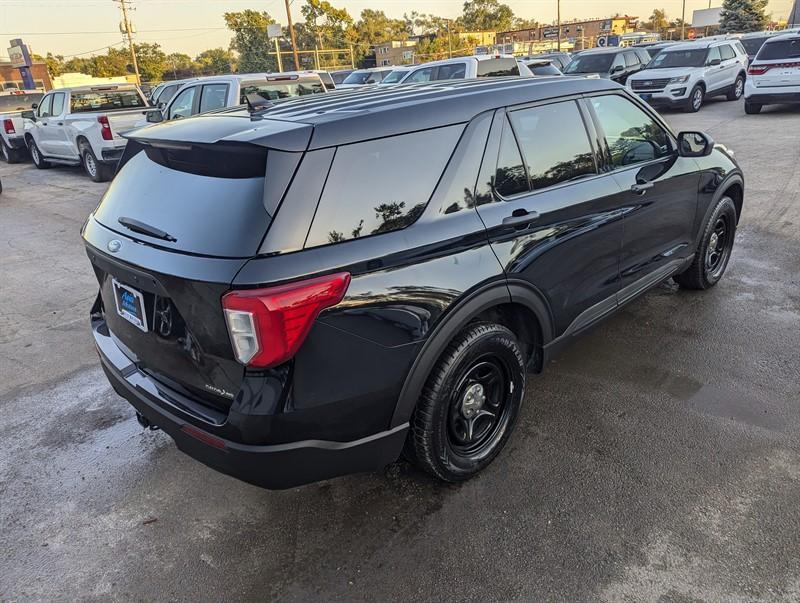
(313, 288)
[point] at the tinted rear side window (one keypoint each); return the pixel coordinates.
(381, 185)
(554, 143)
(726, 52)
(780, 49)
(497, 67)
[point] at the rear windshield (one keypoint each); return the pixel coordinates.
(545, 68)
(497, 67)
(276, 90)
(340, 76)
(751, 45)
(780, 49)
(221, 214)
(19, 102)
(679, 58)
(105, 100)
(326, 79)
(590, 63)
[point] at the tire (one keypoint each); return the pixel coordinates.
(752, 108)
(695, 100)
(715, 249)
(97, 171)
(735, 93)
(470, 403)
(36, 155)
(8, 154)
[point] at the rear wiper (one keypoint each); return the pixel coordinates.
(146, 229)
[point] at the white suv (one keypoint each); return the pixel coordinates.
(774, 75)
(685, 74)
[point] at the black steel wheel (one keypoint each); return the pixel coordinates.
(712, 256)
(470, 403)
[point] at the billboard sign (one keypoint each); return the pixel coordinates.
(19, 56)
(550, 32)
(274, 30)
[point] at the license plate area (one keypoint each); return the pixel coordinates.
(130, 304)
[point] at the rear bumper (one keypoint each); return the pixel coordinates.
(275, 466)
(111, 155)
(773, 99)
(17, 142)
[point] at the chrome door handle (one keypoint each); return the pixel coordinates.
(641, 188)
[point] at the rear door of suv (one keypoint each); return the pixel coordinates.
(554, 219)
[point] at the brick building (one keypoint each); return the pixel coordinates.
(402, 52)
(10, 78)
(588, 31)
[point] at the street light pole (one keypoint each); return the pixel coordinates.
(683, 20)
(558, 9)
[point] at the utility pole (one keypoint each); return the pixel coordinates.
(126, 24)
(291, 34)
(683, 21)
(558, 5)
(449, 41)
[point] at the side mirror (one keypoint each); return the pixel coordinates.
(694, 144)
(28, 115)
(714, 62)
(34, 105)
(154, 117)
(617, 68)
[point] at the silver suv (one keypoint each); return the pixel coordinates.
(684, 75)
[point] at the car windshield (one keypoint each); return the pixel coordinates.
(679, 58)
(780, 49)
(19, 102)
(279, 90)
(590, 63)
(752, 45)
(357, 77)
(394, 76)
(105, 100)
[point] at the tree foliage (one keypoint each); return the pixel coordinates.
(487, 15)
(741, 16)
(250, 40)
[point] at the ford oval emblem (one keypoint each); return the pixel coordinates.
(114, 245)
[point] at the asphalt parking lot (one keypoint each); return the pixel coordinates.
(657, 460)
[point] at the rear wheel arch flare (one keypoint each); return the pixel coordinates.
(495, 300)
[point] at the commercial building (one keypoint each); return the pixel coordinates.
(10, 78)
(402, 52)
(579, 33)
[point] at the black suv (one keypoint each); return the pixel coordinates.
(616, 64)
(310, 289)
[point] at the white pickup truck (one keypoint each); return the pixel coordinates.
(83, 126)
(12, 124)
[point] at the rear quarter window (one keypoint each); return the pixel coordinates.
(381, 185)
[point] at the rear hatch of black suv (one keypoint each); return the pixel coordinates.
(190, 207)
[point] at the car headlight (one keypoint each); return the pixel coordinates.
(679, 80)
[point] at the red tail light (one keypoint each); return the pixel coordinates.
(105, 128)
(762, 69)
(8, 126)
(268, 326)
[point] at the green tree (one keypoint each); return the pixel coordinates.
(328, 23)
(741, 16)
(180, 66)
(520, 23)
(152, 61)
(487, 15)
(250, 40)
(215, 61)
(374, 27)
(658, 22)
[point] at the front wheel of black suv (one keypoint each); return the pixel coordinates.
(470, 403)
(715, 248)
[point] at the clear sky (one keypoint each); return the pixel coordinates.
(71, 27)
